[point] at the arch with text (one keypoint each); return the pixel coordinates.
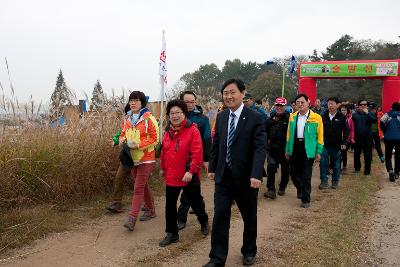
(386, 70)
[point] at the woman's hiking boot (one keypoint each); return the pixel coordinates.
(130, 224)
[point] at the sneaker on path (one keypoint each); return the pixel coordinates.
(115, 207)
(323, 185)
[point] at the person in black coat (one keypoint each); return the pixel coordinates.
(195, 114)
(236, 165)
(276, 128)
(336, 134)
(363, 120)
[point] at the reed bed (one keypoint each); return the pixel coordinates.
(53, 165)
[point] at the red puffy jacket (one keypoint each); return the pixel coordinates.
(181, 152)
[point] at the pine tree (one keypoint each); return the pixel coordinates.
(98, 97)
(61, 97)
(314, 57)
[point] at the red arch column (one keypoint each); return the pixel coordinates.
(308, 86)
(390, 92)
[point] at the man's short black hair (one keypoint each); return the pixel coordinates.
(359, 101)
(138, 95)
(396, 106)
(187, 93)
(258, 102)
(239, 83)
(334, 99)
(177, 103)
(300, 96)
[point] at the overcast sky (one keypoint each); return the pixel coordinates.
(118, 42)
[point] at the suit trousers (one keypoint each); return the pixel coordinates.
(246, 199)
(301, 170)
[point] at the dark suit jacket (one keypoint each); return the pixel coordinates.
(248, 150)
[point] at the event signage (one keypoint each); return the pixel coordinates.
(365, 69)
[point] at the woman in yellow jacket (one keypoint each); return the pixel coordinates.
(140, 135)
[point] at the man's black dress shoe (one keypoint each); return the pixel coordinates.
(212, 264)
(249, 260)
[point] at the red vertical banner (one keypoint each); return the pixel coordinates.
(390, 92)
(308, 86)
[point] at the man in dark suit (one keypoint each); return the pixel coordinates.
(237, 165)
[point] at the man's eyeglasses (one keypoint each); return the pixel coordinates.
(278, 105)
(363, 104)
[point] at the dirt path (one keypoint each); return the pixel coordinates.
(384, 238)
(105, 242)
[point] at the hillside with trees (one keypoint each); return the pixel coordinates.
(264, 81)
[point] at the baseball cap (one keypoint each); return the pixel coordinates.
(280, 101)
(247, 96)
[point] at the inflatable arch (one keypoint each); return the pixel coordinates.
(386, 70)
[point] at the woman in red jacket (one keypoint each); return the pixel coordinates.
(181, 161)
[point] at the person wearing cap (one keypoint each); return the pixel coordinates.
(249, 103)
(304, 143)
(276, 141)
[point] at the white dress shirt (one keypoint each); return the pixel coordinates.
(301, 123)
(332, 116)
(237, 112)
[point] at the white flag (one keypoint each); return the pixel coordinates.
(163, 61)
(163, 79)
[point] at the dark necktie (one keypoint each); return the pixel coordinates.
(230, 139)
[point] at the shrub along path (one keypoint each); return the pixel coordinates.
(332, 232)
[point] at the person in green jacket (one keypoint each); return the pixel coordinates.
(304, 143)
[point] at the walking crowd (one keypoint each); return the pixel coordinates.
(233, 152)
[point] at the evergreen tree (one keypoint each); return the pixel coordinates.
(342, 49)
(314, 57)
(98, 97)
(61, 97)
